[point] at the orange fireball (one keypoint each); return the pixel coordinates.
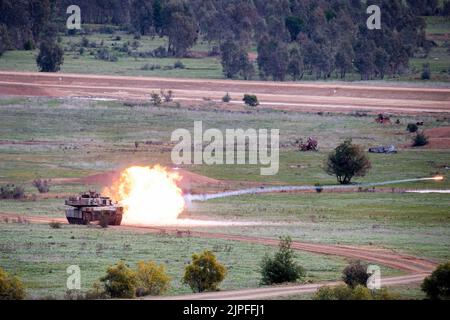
(149, 195)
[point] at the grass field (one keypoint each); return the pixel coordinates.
(63, 138)
(201, 65)
(40, 256)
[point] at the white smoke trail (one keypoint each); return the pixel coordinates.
(205, 197)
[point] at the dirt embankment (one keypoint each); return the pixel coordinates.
(288, 96)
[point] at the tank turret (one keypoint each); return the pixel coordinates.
(91, 206)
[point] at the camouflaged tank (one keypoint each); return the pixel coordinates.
(90, 206)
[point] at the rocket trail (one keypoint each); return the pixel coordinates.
(205, 197)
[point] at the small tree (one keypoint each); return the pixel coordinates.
(420, 140)
(204, 273)
(412, 127)
(152, 279)
(226, 98)
(119, 281)
(346, 161)
(437, 285)
(251, 100)
(355, 274)
(50, 57)
(42, 185)
(155, 98)
(11, 288)
(426, 72)
(168, 96)
(282, 267)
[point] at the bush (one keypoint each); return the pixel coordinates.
(437, 285)
(282, 267)
(426, 72)
(179, 65)
(11, 288)
(104, 221)
(155, 98)
(226, 98)
(42, 185)
(28, 45)
(346, 161)
(119, 281)
(168, 96)
(420, 140)
(412, 127)
(204, 273)
(55, 225)
(343, 292)
(106, 55)
(152, 279)
(50, 57)
(355, 274)
(150, 67)
(251, 100)
(84, 42)
(10, 191)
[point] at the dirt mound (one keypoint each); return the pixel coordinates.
(438, 138)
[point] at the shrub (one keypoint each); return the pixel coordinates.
(152, 279)
(437, 285)
(343, 292)
(10, 191)
(204, 273)
(168, 96)
(226, 98)
(55, 225)
(106, 55)
(420, 140)
(119, 281)
(318, 187)
(282, 267)
(150, 67)
(355, 274)
(346, 161)
(50, 57)
(28, 45)
(95, 293)
(84, 42)
(42, 185)
(11, 288)
(104, 221)
(155, 98)
(412, 127)
(310, 145)
(426, 72)
(251, 100)
(179, 65)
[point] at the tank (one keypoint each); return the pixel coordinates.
(91, 206)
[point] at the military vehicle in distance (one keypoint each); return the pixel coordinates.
(90, 206)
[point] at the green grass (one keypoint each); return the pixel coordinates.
(40, 255)
(70, 138)
(410, 223)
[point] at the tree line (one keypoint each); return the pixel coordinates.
(294, 38)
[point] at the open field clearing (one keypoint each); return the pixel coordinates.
(81, 144)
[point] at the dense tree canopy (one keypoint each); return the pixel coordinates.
(319, 38)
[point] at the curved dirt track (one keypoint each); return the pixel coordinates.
(416, 267)
(287, 96)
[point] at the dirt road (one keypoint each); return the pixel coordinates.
(281, 291)
(287, 96)
(416, 267)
